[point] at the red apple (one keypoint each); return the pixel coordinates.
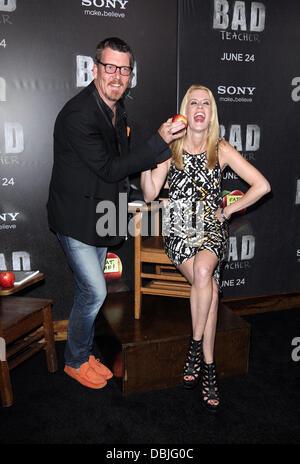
(7, 279)
(231, 197)
(113, 267)
(180, 117)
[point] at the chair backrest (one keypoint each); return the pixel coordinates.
(163, 279)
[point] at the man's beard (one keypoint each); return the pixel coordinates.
(115, 94)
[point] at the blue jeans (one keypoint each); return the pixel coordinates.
(87, 263)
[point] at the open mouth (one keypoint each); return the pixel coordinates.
(199, 117)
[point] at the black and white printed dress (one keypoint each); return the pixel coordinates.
(194, 185)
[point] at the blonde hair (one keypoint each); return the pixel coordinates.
(212, 136)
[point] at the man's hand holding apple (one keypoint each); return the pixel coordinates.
(173, 128)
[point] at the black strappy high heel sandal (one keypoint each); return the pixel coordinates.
(210, 391)
(193, 364)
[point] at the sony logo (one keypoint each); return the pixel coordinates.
(8, 216)
(105, 3)
(232, 90)
(298, 253)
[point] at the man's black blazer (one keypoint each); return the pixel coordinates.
(88, 166)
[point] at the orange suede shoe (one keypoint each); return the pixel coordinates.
(100, 368)
(86, 376)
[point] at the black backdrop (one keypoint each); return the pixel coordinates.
(252, 67)
(247, 53)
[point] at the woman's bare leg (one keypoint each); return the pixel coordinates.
(211, 325)
(204, 304)
(203, 299)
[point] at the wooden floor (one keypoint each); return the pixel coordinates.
(240, 306)
(149, 353)
(263, 303)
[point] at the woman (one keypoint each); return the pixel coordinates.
(194, 174)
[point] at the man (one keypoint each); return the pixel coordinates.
(92, 162)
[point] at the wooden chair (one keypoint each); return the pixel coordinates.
(163, 279)
(26, 327)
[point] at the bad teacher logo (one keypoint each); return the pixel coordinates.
(8, 5)
(246, 139)
(11, 143)
(19, 261)
(241, 250)
(236, 21)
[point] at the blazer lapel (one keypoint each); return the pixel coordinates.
(108, 129)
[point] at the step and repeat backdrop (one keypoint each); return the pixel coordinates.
(246, 52)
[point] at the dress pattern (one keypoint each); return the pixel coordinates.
(192, 187)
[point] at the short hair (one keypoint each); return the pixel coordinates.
(115, 44)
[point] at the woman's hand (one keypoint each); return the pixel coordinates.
(259, 186)
(219, 216)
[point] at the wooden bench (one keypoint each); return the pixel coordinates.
(26, 327)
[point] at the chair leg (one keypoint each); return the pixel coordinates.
(49, 338)
(5, 383)
(137, 304)
(137, 292)
(137, 267)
